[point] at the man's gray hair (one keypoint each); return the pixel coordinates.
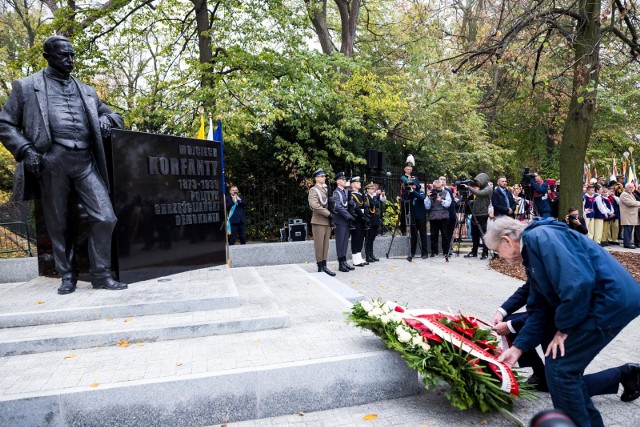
(503, 226)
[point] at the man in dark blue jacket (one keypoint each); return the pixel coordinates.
(508, 323)
(237, 218)
(341, 219)
(577, 289)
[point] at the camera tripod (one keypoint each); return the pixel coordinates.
(410, 223)
(461, 212)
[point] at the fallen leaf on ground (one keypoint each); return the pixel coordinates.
(370, 417)
(484, 422)
(128, 319)
(70, 356)
(140, 344)
(178, 364)
(123, 343)
(110, 318)
(301, 413)
(39, 301)
(94, 384)
(256, 341)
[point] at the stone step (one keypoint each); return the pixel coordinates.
(37, 303)
(318, 362)
(152, 328)
(205, 381)
(258, 311)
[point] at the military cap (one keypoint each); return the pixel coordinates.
(355, 179)
(369, 185)
(319, 172)
(340, 175)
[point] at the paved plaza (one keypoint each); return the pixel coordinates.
(166, 353)
(470, 286)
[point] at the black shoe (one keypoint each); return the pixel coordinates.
(539, 383)
(614, 243)
(630, 380)
(495, 256)
(346, 264)
(108, 283)
(432, 255)
(603, 244)
(373, 257)
(409, 258)
(369, 258)
(629, 246)
(484, 256)
(343, 267)
(326, 270)
(471, 255)
(319, 266)
(68, 286)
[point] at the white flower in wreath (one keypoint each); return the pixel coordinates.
(425, 346)
(389, 306)
(417, 341)
(385, 319)
(404, 337)
(400, 330)
(395, 317)
(376, 312)
(366, 306)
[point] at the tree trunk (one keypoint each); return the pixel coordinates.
(204, 41)
(581, 115)
(317, 10)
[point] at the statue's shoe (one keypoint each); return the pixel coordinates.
(108, 283)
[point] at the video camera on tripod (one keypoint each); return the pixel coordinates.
(462, 185)
(525, 183)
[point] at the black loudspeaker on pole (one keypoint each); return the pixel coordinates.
(372, 158)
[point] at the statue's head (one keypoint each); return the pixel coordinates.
(59, 54)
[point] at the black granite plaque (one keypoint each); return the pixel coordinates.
(167, 195)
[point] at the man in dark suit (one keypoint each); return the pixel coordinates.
(237, 218)
(502, 199)
(54, 126)
(508, 323)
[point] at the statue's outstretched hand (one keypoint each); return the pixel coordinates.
(105, 127)
(32, 160)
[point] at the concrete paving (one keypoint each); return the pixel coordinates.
(466, 285)
(316, 330)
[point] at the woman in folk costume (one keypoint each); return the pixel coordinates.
(320, 220)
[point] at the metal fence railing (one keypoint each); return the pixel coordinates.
(14, 238)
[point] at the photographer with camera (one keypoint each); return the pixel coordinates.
(575, 222)
(540, 195)
(414, 198)
(437, 205)
(320, 220)
(479, 214)
(405, 180)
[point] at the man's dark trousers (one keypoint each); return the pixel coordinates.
(418, 227)
(568, 389)
(63, 172)
(239, 229)
(440, 226)
(476, 234)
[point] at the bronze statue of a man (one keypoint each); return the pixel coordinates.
(54, 126)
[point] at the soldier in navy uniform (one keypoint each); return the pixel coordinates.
(360, 225)
(373, 198)
(55, 127)
(341, 220)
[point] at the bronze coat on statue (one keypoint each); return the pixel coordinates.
(24, 121)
